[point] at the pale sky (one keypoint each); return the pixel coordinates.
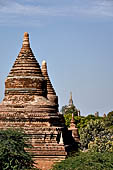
(75, 37)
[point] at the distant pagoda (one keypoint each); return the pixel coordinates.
(71, 108)
(70, 100)
(30, 102)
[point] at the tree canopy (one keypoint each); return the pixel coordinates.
(109, 120)
(87, 160)
(13, 155)
(96, 136)
(69, 110)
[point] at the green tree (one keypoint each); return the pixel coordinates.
(92, 130)
(83, 121)
(109, 120)
(80, 121)
(102, 144)
(69, 110)
(67, 118)
(95, 135)
(87, 161)
(13, 155)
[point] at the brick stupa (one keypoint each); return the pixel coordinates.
(31, 103)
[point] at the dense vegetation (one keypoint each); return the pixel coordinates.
(69, 109)
(96, 143)
(82, 121)
(12, 151)
(95, 132)
(96, 136)
(87, 161)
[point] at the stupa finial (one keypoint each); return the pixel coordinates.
(73, 120)
(70, 100)
(44, 65)
(26, 43)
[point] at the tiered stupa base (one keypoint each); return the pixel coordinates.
(44, 127)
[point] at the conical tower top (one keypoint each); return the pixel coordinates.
(44, 66)
(26, 63)
(25, 77)
(26, 43)
(51, 94)
(50, 89)
(72, 120)
(72, 123)
(70, 100)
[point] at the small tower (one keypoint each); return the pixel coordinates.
(104, 115)
(70, 100)
(96, 114)
(74, 129)
(72, 123)
(71, 108)
(51, 94)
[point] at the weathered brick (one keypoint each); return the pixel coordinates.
(30, 103)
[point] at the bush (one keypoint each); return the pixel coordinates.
(12, 151)
(87, 161)
(109, 120)
(93, 129)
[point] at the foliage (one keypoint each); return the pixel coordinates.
(96, 136)
(102, 144)
(12, 151)
(67, 118)
(83, 121)
(109, 120)
(80, 121)
(87, 161)
(91, 131)
(69, 110)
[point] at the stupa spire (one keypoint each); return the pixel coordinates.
(72, 123)
(26, 63)
(51, 94)
(74, 129)
(26, 43)
(25, 76)
(70, 100)
(50, 89)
